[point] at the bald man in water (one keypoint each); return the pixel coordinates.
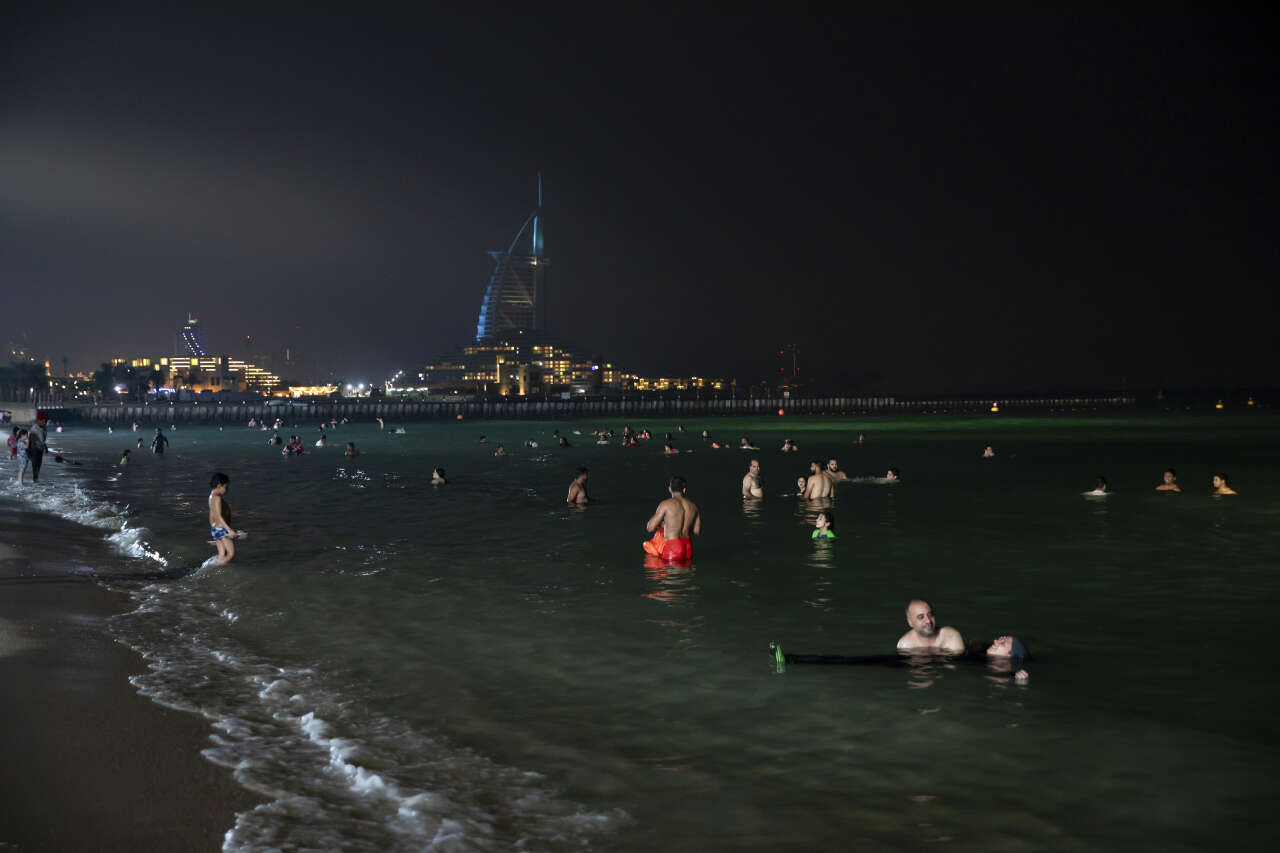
(925, 635)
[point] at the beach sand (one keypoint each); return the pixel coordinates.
(88, 762)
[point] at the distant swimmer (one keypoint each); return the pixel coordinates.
(1099, 488)
(819, 484)
(925, 635)
(893, 475)
(752, 486)
(564, 442)
(1170, 483)
(578, 488)
(484, 439)
(674, 521)
(136, 425)
(1220, 486)
(381, 425)
(1012, 648)
(219, 512)
(861, 439)
(351, 449)
(400, 431)
(438, 478)
(124, 460)
(834, 472)
(320, 442)
(275, 439)
(824, 526)
(501, 451)
(667, 448)
(745, 444)
(789, 446)
(159, 442)
(988, 452)
(140, 444)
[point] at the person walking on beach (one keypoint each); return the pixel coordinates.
(37, 444)
(679, 519)
(159, 443)
(219, 512)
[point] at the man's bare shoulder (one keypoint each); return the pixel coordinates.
(949, 638)
(906, 641)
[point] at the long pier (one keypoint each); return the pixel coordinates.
(576, 408)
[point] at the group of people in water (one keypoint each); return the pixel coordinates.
(1168, 483)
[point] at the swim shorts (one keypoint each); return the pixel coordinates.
(219, 532)
(677, 551)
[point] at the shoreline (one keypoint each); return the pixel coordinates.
(90, 762)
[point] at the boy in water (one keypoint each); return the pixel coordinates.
(219, 510)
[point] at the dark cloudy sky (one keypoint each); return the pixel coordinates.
(931, 202)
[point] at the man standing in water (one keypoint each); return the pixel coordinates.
(819, 484)
(679, 518)
(834, 472)
(925, 635)
(1220, 486)
(751, 485)
(37, 444)
(578, 488)
(1170, 483)
(159, 443)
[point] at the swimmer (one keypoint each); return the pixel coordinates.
(800, 484)
(135, 425)
(834, 472)
(564, 442)
(1170, 483)
(925, 635)
(824, 526)
(1099, 488)
(745, 444)
(501, 451)
(381, 425)
(218, 511)
(578, 488)
(679, 515)
(484, 439)
(893, 475)
(752, 487)
(706, 434)
(667, 448)
(861, 439)
(988, 452)
(351, 449)
(1012, 648)
(124, 460)
(321, 440)
(1220, 486)
(438, 478)
(819, 484)
(139, 444)
(789, 446)
(275, 439)
(400, 431)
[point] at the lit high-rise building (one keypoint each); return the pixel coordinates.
(187, 343)
(514, 301)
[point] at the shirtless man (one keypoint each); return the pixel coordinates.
(745, 444)
(925, 635)
(751, 485)
(218, 526)
(819, 484)
(679, 516)
(1220, 486)
(834, 472)
(1170, 483)
(578, 488)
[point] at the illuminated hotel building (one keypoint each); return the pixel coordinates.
(187, 340)
(513, 302)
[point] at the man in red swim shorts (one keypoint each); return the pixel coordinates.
(676, 515)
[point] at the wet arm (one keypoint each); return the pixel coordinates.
(656, 519)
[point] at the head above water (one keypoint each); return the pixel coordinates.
(1101, 485)
(1170, 476)
(1219, 480)
(582, 474)
(815, 465)
(826, 517)
(754, 466)
(832, 465)
(893, 474)
(1007, 647)
(920, 617)
(677, 485)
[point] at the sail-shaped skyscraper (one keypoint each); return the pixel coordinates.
(515, 301)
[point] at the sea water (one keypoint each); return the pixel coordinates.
(478, 666)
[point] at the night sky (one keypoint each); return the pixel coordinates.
(923, 203)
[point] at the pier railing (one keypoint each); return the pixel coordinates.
(574, 408)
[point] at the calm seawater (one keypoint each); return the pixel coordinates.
(480, 667)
